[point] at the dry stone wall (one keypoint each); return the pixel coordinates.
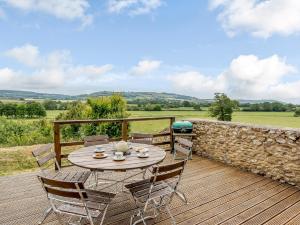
(268, 151)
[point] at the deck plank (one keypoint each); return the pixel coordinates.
(217, 194)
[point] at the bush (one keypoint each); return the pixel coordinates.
(297, 112)
(109, 107)
(14, 133)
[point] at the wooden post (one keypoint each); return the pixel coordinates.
(172, 141)
(57, 146)
(124, 130)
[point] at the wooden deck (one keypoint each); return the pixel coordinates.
(217, 194)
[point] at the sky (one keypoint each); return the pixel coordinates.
(248, 49)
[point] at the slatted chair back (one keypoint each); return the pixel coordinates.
(166, 172)
(57, 188)
(45, 157)
(71, 198)
(96, 140)
(183, 146)
(141, 138)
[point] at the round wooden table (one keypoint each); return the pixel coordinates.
(83, 157)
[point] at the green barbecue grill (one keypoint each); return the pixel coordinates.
(182, 127)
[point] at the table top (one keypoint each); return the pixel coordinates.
(83, 157)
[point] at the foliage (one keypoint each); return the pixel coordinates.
(297, 112)
(55, 105)
(197, 107)
(268, 107)
(22, 110)
(150, 107)
(222, 107)
(108, 107)
(14, 133)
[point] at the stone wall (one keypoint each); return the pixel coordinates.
(268, 151)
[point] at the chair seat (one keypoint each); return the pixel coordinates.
(95, 200)
(70, 176)
(140, 189)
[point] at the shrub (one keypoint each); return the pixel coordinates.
(14, 133)
(297, 112)
(108, 107)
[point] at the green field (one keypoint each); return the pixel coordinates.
(14, 159)
(277, 119)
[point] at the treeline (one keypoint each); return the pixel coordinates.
(268, 107)
(159, 105)
(29, 132)
(55, 105)
(22, 110)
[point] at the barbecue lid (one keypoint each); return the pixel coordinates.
(182, 124)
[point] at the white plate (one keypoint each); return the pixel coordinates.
(119, 159)
(99, 150)
(143, 156)
(102, 157)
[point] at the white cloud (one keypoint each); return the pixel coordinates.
(260, 18)
(63, 9)
(27, 54)
(247, 77)
(145, 67)
(2, 14)
(52, 71)
(134, 7)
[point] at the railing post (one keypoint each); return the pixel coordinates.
(172, 120)
(124, 130)
(57, 146)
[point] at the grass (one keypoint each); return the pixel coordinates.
(16, 159)
(277, 119)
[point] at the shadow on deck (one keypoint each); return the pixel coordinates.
(217, 194)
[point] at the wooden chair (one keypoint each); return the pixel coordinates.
(183, 146)
(71, 198)
(96, 140)
(141, 138)
(157, 191)
(46, 160)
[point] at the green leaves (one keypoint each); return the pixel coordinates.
(222, 107)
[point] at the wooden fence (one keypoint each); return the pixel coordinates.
(125, 121)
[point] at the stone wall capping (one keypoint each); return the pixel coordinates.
(264, 128)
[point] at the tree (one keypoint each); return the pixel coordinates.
(222, 107)
(186, 104)
(297, 112)
(9, 110)
(197, 107)
(35, 109)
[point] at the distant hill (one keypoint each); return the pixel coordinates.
(11, 94)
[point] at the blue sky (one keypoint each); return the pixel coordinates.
(245, 48)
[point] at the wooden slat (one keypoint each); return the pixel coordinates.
(185, 142)
(213, 191)
(167, 175)
(181, 149)
(42, 150)
(61, 122)
(45, 159)
(169, 167)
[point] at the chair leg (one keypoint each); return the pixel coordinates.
(45, 215)
(103, 216)
(182, 196)
(170, 214)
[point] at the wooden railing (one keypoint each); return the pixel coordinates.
(125, 121)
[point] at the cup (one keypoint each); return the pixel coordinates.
(143, 152)
(119, 155)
